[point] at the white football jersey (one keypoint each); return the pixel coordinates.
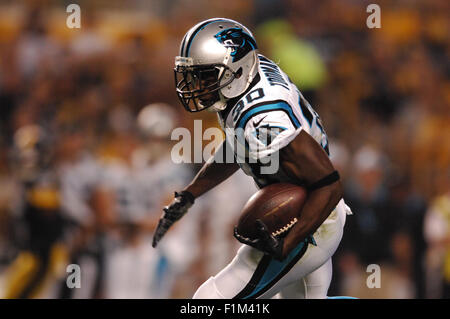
(78, 180)
(141, 190)
(267, 118)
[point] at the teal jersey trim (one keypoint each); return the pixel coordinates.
(267, 107)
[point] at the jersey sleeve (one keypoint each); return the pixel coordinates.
(268, 128)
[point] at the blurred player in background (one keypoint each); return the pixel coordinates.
(137, 182)
(79, 173)
(219, 69)
(437, 234)
(39, 224)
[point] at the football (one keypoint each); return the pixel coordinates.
(277, 205)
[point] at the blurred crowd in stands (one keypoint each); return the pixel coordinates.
(85, 122)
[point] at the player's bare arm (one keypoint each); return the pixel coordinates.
(306, 161)
(213, 172)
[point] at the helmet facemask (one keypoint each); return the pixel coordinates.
(198, 87)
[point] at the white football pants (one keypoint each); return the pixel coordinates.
(305, 272)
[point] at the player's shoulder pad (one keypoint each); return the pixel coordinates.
(276, 113)
(268, 127)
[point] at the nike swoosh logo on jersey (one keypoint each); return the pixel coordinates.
(257, 123)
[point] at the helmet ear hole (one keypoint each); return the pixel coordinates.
(238, 73)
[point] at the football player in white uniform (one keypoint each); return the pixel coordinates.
(138, 185)
(275, 136)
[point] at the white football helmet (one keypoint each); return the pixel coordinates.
(156, 120)
(218, 60)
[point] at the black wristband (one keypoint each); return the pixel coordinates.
(327, 180)
(187, 195)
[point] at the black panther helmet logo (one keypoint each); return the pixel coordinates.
(238, 40)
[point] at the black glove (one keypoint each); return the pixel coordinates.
(266, 242)
(179, 206)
